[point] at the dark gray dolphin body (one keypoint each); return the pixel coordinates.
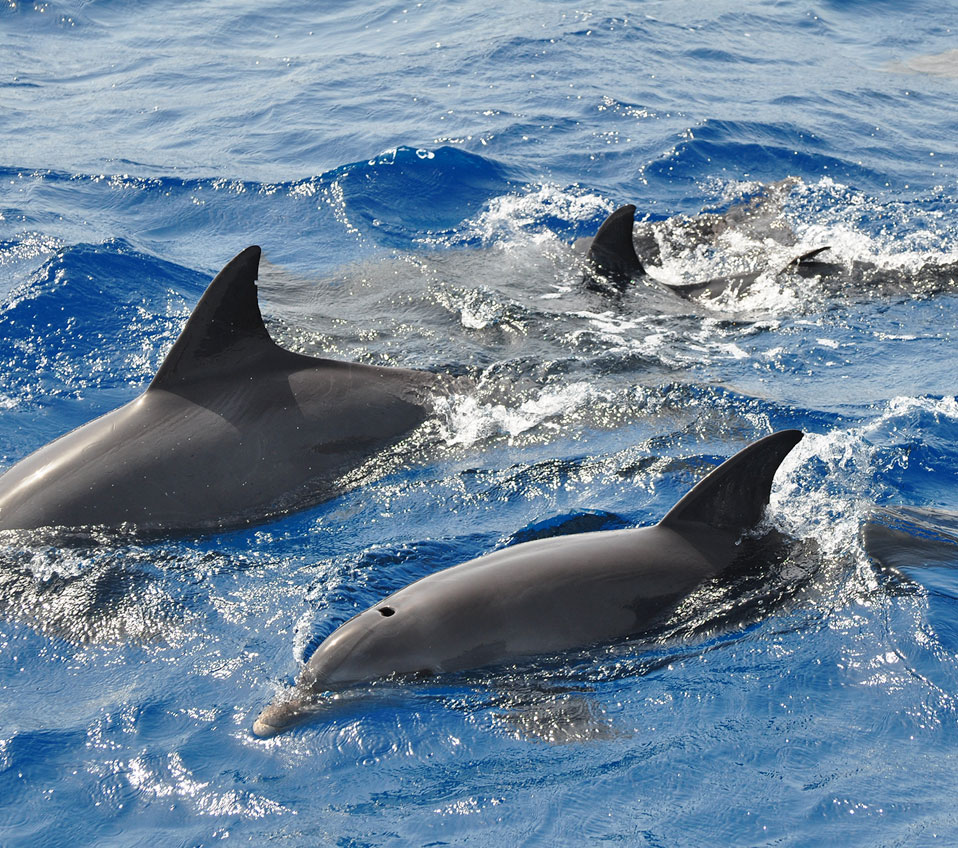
(546, 595)
(912, 540)
(611, 252)
(232, 430)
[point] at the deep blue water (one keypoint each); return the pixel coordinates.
(415, 174)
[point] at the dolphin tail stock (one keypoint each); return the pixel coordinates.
(734, 495)
(612, 253)
(225, 327)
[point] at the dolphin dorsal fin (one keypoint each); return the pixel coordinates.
(612, 252)
(808, 258)
(226, 317)
(734, 495)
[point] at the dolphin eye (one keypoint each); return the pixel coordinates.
(386, 611)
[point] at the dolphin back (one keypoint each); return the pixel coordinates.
(733, 497)
(233, 429)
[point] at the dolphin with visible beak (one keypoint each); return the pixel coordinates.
(544, 596)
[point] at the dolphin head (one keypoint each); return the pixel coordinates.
(377, 643)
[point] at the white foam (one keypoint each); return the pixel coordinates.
(507, 216)
(830, 481)
(465, 420)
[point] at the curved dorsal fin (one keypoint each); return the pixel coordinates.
(612, 252)
(226, 318)
(734, 495)
(809, 258)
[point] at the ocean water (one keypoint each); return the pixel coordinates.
(415, 174)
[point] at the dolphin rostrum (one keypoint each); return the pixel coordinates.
(232, 430)
(546, 595)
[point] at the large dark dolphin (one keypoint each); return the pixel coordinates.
(546, 595)
(232, 430)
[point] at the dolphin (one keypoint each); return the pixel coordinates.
(620, 251)
(232, 430)
(908, 538)
(543, 596)
(612, 261)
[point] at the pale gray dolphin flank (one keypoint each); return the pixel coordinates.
(232, 430)
(546, 595)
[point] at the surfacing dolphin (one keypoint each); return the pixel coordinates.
(543, 596)
(232, 430)
(620, 251)
(912, 540)
(613, 261)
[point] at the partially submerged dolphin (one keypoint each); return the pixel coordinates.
(620, 251)
(612, 259)
(232, 430)
(611, 252)
(909, 539)
(546, 595)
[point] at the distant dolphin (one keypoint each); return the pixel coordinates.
(232, 430)
(546, 595)
(612, 259)
(912, 539)
(620, 252)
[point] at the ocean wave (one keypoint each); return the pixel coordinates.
(92, 316)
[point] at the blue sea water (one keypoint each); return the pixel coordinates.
(415, 173)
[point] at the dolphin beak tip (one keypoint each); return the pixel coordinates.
(264, 730)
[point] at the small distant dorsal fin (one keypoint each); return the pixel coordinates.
(734, 495)
(808, 258)
(612, 252)
(226, 318)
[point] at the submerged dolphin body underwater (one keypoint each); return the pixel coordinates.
(546, 595)
(233, 430)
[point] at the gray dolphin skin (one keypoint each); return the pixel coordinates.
(232, 430)
(546, 595)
